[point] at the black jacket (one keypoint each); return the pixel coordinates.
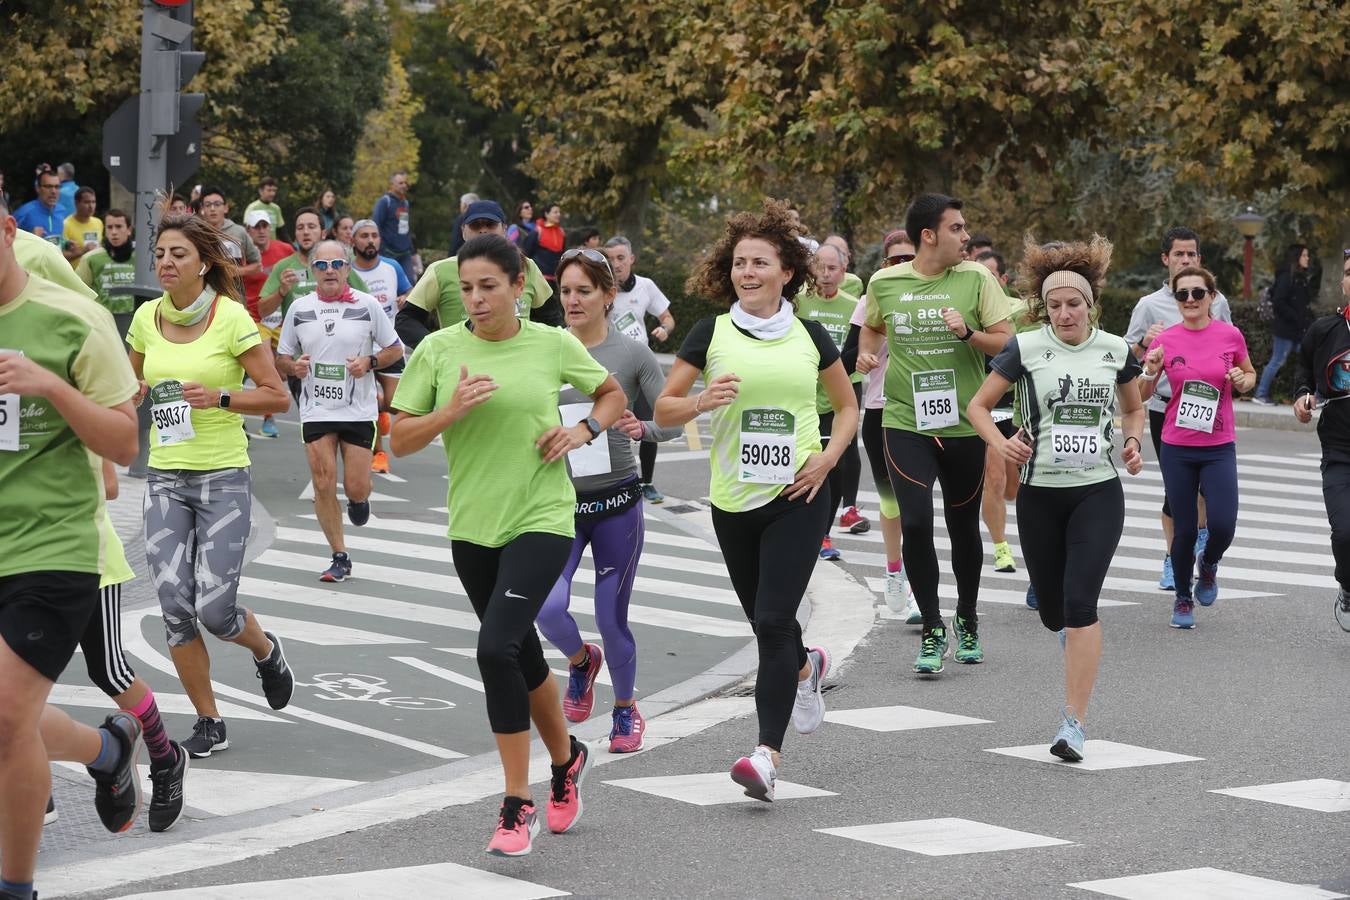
(1326, 347)
(1289, 299)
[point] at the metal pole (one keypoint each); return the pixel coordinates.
(1247, 268)
(152, 167)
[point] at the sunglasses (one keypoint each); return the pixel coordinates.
(590, 253)
(1195, 294)
(899, 258)
(323, 265)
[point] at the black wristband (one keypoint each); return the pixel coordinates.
(1129, 438)
(970, 332)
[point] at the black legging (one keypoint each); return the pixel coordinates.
(1336, 494)
(846, 473)
(770, 553)
(1069, 535)
(915, 461)
(1155, 430)
(646, 449)
(507, 586)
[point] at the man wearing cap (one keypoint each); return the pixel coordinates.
(258, 222)
(438, 292)
(388, 283)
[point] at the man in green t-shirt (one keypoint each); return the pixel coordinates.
(112, 268)
(267, 202)
(940, 316)
(65, 392)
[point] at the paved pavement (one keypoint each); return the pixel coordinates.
(1226, 757)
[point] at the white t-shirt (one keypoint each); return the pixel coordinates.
(332, 332)
(632, 307)
(385, 282)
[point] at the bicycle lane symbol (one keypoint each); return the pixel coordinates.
(357, 688)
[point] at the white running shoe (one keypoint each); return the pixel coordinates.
(809, 709)
(897, 591)
(756, 773)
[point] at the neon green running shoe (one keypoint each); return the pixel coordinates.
(968, 649)
(933, 648)
(1003, 558)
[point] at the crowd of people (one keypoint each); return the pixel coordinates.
(530, 361)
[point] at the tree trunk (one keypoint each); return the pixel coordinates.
(631, 216)
(1333, 263)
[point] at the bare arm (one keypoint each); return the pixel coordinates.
(675, 407)
(817, 467)
(980, 413)
(1132, 423)
(268, 398)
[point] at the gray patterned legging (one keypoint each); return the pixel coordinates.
(196, 527)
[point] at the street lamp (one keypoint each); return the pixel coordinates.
(1249, 224)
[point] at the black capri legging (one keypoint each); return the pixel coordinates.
(846, 474)
(1155, 430)
(770, 553)
(102, 645)
(1069, 535)
(507, 586)
(915, 462)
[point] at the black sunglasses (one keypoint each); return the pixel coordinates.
(899, 258)
(1195, 294)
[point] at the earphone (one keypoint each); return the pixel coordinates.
(203, 271)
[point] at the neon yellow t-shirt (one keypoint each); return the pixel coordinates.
(82, 233)
(212, 360)
(38, 257)
(51, 499)
(116, 569)
(500, 487)
(437, 291)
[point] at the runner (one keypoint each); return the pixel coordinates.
(511, 505)
(63, 367)
(1071, 509)
(761, 366)
(436, 297)
(1153, 313)
(190, 349)
(387, 283)
(270, 252)
(851, 283)
(940, 316)
(638, 298)
(1324, 371)
(832, 309)
(111, 269)
(333, 340)
(896, 249)
(1205, 361)
(609, 504)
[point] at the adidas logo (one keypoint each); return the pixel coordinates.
(1107, 357)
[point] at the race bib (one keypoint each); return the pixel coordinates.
(1001, 415)
(768, 446)
(630, 326)
(935, 404)
(1198, 406)
(328, 387)
(588, 459)
(1075, 436)
(403, 226)
(171, 413)
(9, 417)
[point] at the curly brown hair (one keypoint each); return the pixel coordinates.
(1090, 259)
(712, 276)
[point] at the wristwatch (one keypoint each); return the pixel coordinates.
(224, 400)
(374, 362)
(593, 426)
(970, 332)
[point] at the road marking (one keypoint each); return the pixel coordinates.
(440, 672)
(1319, 794)
(898, 718)
(1202, 882)
(711, 789)
(987, 594)
(324, 635)
(944, 837)
(1098, 756)
(375, 496)
(362, 603)
(179, 704)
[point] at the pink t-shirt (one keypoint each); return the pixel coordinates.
(874, 381)
(1202, 356)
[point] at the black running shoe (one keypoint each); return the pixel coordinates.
(117, 797)
(278, 683)
(166, 792)
(51, 814)
(358, 512)
(208, 736)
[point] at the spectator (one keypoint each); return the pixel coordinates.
(546, 244)
(1289, 298)
(111, 269)
(393, 215)
(270, 252)
(66, 172)
(328, 211)
(519, 231)
(342, 231)
(178, 205)
(978, 243)
(587, 237)
(238, 245)
(457, 231)
(83, 231)
(267, 202)
(43, 215)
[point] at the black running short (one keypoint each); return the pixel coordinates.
(361, 434)
(43, 615)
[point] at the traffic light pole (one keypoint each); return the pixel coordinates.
(151, 166)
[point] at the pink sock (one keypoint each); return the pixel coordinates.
(152, 731)
(893, 566)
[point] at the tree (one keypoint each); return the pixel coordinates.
(387, 143)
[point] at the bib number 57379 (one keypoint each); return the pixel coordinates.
(768, 446)
(1198, 406)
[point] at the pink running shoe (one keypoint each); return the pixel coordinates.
(756, 773)
(626, 735)
(564, 801)
(580, 696)
(516, 828)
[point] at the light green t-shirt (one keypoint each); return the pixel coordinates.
(38, 257)
(273, 212)
(851, 285)
(833, 314)
(1067, 395)
(104, 274)
(437, 291)
(926, 358)
(500, 487)
(212, 360)
(307, 283)
(776, 400)
(51, 498)
(116, 569)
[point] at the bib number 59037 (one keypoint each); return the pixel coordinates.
(768, 446)
(935, 403)
(171, 413)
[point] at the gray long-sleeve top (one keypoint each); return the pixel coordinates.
(637, 371)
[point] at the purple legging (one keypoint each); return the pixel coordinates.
(616, 544)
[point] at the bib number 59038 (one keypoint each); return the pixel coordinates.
(768, 446)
